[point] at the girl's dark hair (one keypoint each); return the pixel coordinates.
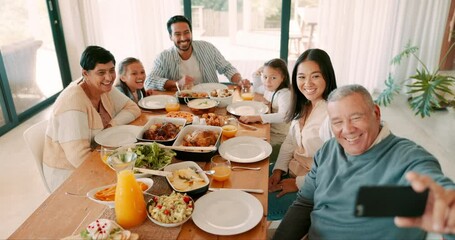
(176, 19)
(299, 103)
(93, 55)
(122, 70)
(280, 64)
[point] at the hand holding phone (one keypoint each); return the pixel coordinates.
(390, 201)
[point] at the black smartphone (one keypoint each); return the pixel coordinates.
(389, 201)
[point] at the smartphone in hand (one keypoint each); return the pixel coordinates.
(390, 201)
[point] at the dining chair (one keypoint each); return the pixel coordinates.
(34, 138)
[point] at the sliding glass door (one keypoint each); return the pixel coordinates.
(30, 74)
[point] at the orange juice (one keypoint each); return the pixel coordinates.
(229, 130)
(247, 96)
(222, 173)
(130, 209)
(172, 107)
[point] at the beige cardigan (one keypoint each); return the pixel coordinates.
(74, 123)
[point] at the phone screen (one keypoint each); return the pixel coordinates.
(389, 201)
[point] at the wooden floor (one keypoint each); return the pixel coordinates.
(21, 189)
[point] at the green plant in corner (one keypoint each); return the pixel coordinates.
(427, 88)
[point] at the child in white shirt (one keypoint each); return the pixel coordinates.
(276, 82)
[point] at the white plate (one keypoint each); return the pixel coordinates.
(117, 136)
(207, 87)
(156, 101)
(111, 204)
(247, 108)
(227, 212)
(245, 149)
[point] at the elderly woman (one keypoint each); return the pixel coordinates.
(82, 110)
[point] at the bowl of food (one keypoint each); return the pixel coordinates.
(106, 194)
(223, 96)
(188, 177)
(201, 106)
(162, 130)
(197, 142)
(170, 210)
(150, 155)
(185, 96)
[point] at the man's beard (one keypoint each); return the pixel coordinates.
(184, 49)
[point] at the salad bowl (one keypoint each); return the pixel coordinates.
(170, 210)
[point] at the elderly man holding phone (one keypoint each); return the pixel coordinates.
(363, 153)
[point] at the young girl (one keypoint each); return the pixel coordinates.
(313, 78)
(132, 77)
(275, 79)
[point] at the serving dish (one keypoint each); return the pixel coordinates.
(185, 96)
(207, 87)
(148, 155)
(223, 96)
(195, 153)
(170, 211)
(187, 185)
(111, 204)
(179, 122)
(201, 106)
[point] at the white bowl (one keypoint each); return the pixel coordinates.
(193, 153)
(151, 202)
(189, 164)
(224, 101)
(201, 106)
(159, 119)
(111, 204)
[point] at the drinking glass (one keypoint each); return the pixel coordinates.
(105, 152)
(247, 93)
(130, 207)
(172, 106)
(222, 168)
(230, 127)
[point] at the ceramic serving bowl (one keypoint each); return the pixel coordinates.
(201, 106)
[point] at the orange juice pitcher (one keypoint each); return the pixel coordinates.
(130, 207)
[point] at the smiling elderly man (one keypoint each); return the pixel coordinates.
(365, 152)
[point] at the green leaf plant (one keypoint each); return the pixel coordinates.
(426, 88)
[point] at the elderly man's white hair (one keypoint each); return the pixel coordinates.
(348, 90)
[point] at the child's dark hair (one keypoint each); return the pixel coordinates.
(280, 64)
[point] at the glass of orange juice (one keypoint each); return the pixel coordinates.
(230, 127)
(222, 168)
(172, 106)
(247, 93)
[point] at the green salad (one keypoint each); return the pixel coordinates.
(151, 156)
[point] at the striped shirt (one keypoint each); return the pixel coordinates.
(166, 65)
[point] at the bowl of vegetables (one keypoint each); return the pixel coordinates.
(170, 210)
(150, 155)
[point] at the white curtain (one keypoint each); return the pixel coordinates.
(127, 28)
(362, 36)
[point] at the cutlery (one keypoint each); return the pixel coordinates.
(189, 149)
(252, 128)
(246, 168)
(208, 172)
(75, 194)
(153, 172)
(250, 190)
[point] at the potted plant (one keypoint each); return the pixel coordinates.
(428, 89)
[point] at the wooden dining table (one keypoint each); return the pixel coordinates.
(62, 215)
